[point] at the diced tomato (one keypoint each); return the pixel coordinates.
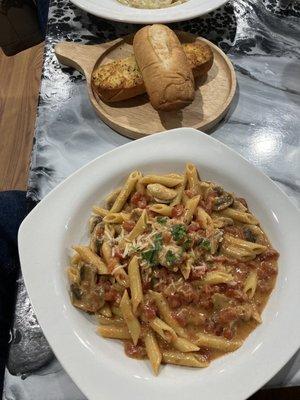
(227, 315)
(150, 213)
(228, 333)
(150, 310)
(111, 295)
(177, 211)
(139, 200)
(209, 202)
(193, 227)
(190, 193)
(269, 255)
(134, 351)
(166, 237)
(236, 294)
(198, 271)
(235, 231)
(112, 264)
(174, 301)
(128, 225)
(118, 253)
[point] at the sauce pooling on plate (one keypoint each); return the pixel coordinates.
(177, 267)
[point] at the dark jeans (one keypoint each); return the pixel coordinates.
(13, 209)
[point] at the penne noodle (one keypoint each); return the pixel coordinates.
(216, 342)
(190, 209)
(106, 251)
(132, 322)
(116, 311)
(184, 345)
(166, 314)
(139, 228)
(106, 311)
(125, 191)
(217, 277)
(111, 198)
(186, 359)
(240, 216)
(135, 283)
(166, 180)
(162, 329)
(161, 209)
(180, 190)
(91, 258)
(205, 220)
(100, 211)
(192, 178)
(250, 284)
(114, 332)
(161, 193)
(153, 351)
(116, 218)
(116, 321)
(140, 187)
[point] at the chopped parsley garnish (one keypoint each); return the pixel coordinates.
(170, 258)
(186, 244)
(162, 220)
(178, 232)
(205, 244)
(151, 255)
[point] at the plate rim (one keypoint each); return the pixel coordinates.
(293, 346)
(156, 19)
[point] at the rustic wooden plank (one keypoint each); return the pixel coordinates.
(20, 81)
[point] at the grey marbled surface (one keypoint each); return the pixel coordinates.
(261, 37)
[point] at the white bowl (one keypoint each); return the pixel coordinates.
(113, 10)
(99, 366)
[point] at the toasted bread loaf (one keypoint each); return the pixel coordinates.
(122, 79)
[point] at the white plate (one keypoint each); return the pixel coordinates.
(113, 10)
(99, 366)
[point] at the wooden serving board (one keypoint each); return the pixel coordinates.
(136, 117)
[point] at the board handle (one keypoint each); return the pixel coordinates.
(78, 56)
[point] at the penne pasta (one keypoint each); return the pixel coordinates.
(153, 351)
(106, 311)
(132, 322)
(114, 332)
(139, 228)
(135, 283)
(216, 342)
(184, 345)
(116, 321)
(91, 258)
(166, 314)
(170, 258)
(116, 218)
(192, 178)
(161, 209)
(162, 329)
(100, 211)
(190, 209)
(240, 216)
(250, 284)
(166, 180)
(125, 191)
(106, 251)
(186, 359)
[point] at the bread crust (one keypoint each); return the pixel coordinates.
(121, 79)
(167, 75)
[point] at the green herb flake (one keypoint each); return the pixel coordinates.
(150, 256)
(170, 258)
(162, 220)
(205, 244)
(178, 232)
(186, 244)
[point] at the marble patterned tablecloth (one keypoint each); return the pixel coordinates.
(261, 37)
